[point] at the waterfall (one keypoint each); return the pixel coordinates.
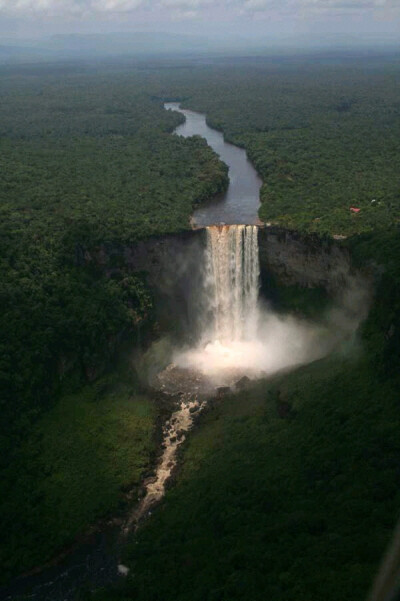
(237, 336)
(232, 274)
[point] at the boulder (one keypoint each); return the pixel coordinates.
(242, 383)
(284, 409)
(123, 570)
(223, 391)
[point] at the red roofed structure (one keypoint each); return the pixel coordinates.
(354, 210)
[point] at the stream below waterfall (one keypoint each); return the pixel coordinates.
(94, 563)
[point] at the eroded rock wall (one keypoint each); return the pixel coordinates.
(303, 260)
(172, 267)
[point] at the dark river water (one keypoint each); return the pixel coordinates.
(240, 203)
(94, 563)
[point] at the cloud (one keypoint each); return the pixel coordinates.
(182, 10)
(114, 5)
(341, 4)
(183, 15)
(180, 3)
(67, 7)
(190, 8)
(315, 6)
(38, 6)
(262, 5)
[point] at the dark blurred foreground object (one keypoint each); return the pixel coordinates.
(387, 583)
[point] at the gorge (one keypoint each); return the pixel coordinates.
(199, 392)
(213, 277)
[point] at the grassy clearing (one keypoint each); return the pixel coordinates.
(72, 468)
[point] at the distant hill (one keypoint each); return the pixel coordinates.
(123, 43)
(13, 53)
(143, 44)
(76, 46)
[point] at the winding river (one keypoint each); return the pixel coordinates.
(240, 203)
(94, 563)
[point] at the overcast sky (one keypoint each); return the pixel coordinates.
(23, 18)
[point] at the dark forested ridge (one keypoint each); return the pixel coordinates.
(278, 508)
(84, 162)
(87, 161)
(291, 489)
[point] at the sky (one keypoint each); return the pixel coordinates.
(246, 18)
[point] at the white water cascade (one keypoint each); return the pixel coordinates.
(229, 313)
(232, 282)
(229, 318)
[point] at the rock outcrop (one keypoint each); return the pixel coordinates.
(173, 266)
(303, 260)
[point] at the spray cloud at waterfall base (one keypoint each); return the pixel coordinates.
(239, 336)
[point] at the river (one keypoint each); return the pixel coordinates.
(94, 562)
(240, 203)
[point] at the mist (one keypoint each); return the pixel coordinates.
(239, 334)
(163, 44)
(281, 342)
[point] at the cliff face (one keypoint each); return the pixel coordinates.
(173, 268)
(173, 263)
(169, 261)
(303, 260)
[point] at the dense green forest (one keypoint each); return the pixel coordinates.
(85, 162)
(323, 137)
(74, 466)
(265, 506)
(285, 509)
(297, 503)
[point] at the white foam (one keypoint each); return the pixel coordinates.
(237, 336)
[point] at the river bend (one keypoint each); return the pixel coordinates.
(240, 203)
